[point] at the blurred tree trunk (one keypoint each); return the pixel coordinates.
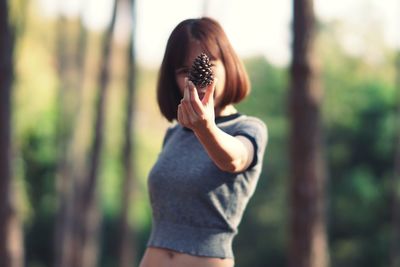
(395, 242)
(127, 255)
(87, 217)
(308, 239)
(11, 242)
(64, 181)
(71, 72)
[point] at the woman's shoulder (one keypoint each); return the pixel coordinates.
(251, 123)
(170, 130)
(255, 129)
(252, 127)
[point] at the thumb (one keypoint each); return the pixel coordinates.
(209, 96)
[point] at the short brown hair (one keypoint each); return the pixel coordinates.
(215, 42)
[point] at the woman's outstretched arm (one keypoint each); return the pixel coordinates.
(229, 153)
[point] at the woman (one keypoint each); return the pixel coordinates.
(211, 158)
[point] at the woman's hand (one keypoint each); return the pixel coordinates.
(229, 153)
(194, 113)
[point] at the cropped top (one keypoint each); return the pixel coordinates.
(196, 207)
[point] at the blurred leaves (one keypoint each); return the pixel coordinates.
(359, 125)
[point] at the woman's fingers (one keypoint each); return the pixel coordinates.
(186, 114)
(209, 96)
(186, 96)
(193, 112)
(195, 100)
(187, 101)
(179, 115)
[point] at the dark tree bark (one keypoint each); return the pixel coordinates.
(64, 181)
(11, 247)
(308, 240)
(395, 238)
(87, 218)
(69, 107)
(127, 255)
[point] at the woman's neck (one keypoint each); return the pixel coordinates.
(225, 111)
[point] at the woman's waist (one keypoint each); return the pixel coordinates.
(158, 257)
(193, 240)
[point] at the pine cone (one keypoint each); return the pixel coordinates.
(201, 73)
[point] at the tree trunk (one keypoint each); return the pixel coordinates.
(64, 181)
(308, 240)
(395, 239)
(87, 218)
(127, 254)
(11, 247)
(69, 164)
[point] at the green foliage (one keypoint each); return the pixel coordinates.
(358, 119)
(359, 125)
(38, 156)
(262, 234)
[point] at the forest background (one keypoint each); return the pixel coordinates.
(59, 59)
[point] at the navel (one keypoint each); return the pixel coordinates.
(170, 254)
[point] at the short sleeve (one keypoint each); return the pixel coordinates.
(256, 131)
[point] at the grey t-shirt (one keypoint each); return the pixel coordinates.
(197, 207)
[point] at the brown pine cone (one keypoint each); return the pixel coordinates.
(201, 73)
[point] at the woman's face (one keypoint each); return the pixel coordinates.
(217, 66)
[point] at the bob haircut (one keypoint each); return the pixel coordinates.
(216, 44)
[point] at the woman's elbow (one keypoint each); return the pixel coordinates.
(234, 166)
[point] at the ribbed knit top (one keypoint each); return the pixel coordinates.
(196, 207)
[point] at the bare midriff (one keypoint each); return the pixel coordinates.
(161, 257)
